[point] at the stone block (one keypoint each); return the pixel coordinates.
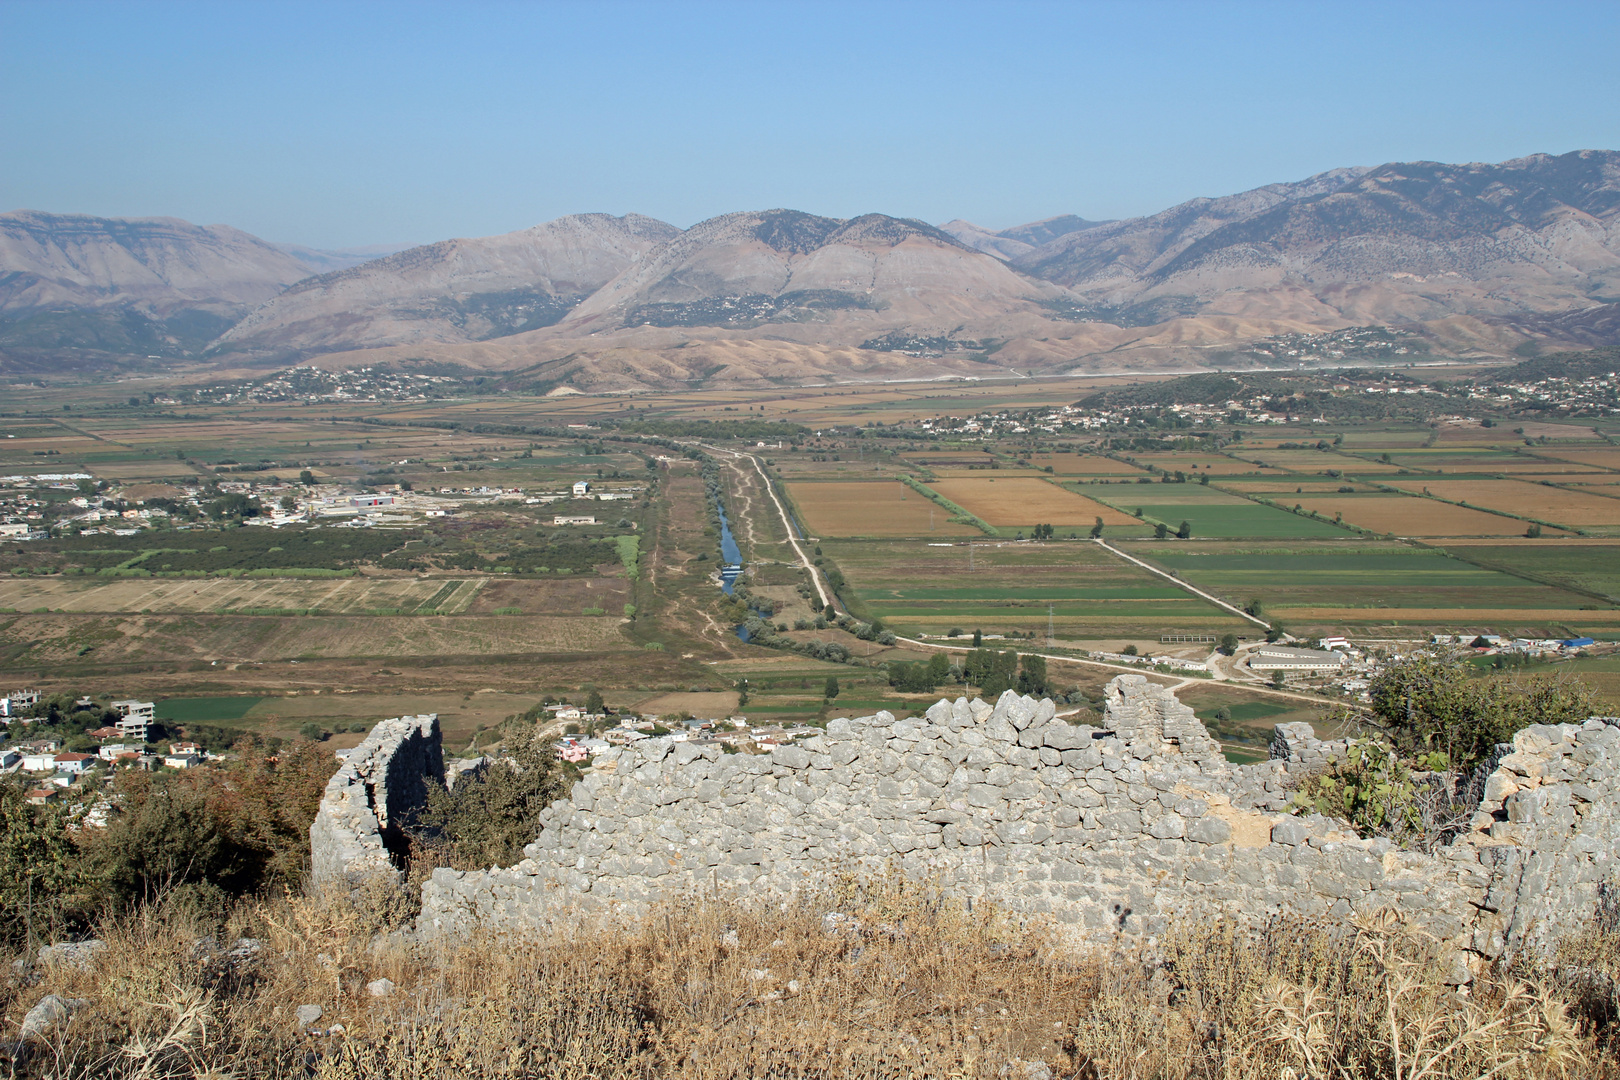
(1209, 829)
(1291, 831)
(790, 757)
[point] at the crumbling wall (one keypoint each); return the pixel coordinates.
(357, 831)
(1104, 831)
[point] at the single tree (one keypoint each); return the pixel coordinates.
(1161, 530)
(1185, 532)
(830, 691)
(1096, 530)
(978, 638)
(1229, 644)
(593, 702)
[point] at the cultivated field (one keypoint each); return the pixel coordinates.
(1316, 461)
(1604, 458)
(1330, 587)
(871, 508)
(1025, 501)
(1082, 465)
(1406, 516)
(357, 595)
(1577, 508)
(1238, 520)
(1214, 464)
(1086, 591)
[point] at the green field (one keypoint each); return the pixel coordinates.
(1243, 521)
(1590, 568)
(1083, 589)
(1372, 582)
(205, 710)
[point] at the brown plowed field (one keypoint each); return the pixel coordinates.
(1016, 500)
(872, 508)
(1605, 459)
(1406, 516)
(1529, 500)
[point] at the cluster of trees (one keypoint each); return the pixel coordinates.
(1436, 706)
(991, 671)
(202, 834)
(488, 817)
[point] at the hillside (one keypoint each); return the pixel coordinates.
(1355, 265)
(1018, 240)
(1398, 243)
(452, 291)
(129, 285)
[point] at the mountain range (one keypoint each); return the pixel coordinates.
(1470, 260)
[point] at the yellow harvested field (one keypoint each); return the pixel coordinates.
(1082, 465)
(1003, 471)
(1528, 500)
(871, 508)
(1405, 516)
(1017, 500)
(713, 703)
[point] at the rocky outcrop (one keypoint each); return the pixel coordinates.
(357, 832)
(1104, 831)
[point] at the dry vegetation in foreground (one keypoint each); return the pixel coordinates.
(902, 984)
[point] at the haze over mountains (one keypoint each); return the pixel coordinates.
(1469, 259)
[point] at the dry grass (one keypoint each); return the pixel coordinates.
(903, 983)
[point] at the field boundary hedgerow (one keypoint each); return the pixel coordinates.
(959, 514)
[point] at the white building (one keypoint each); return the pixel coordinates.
(1282, 658)
(136, 717)
(582, 487)
(18, 700)
(39, 763)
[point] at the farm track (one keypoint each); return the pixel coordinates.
(1239, 612)
(787, 525)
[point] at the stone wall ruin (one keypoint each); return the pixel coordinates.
(357, 831)
(1103, 831)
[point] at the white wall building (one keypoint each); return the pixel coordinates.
(1282, 658)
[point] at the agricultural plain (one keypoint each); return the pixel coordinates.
(493, 602)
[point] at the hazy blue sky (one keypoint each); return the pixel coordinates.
(338, 124)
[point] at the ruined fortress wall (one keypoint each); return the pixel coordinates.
(1103, 831)
(382, 781)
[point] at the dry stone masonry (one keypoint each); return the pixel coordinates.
(357, 831)
(1103, 831)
